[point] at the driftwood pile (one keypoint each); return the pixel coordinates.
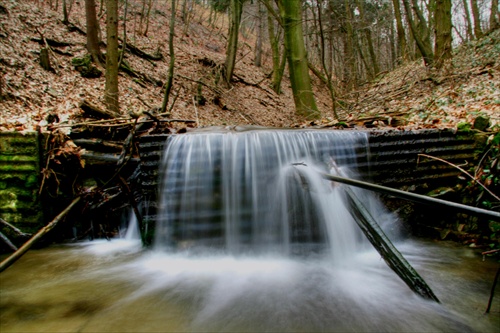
(93, 157)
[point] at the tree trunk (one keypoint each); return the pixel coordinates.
(168, 86)
(402, 46)
(65, 13)
(350, 74)
(150, 4)
(478, 32)
(470, 34)
(305, 103)
(278, 65)
(92, 32)
(369, 41)
(124, 41)
(322, 51)
(494, 15)
(236, 9)
(442, 39)
(111, 86)
(260, 35)
(424, 48)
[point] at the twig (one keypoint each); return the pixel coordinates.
(465, 172)
(7, 241)
(492, 291)
(196, 112)
(16, 230)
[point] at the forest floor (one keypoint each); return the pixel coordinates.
(411, 97)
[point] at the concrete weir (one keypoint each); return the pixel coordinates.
(390, 158)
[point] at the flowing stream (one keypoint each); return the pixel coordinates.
(249, 238)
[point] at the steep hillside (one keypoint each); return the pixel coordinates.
(410, 97)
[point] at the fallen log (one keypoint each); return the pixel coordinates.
(26, 246)
(140, 53)
(492, 215)
(96, 112)
(387, 250)
(51, 42)
(382, 244)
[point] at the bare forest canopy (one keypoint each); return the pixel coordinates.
(398, 63)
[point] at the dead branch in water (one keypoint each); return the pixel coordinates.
(26, 246)
(465, 172)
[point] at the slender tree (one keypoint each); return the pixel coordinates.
(124, 42)
(65, 13)
(260, 34)
(111, 86)
(368, 37)
(148, 14)
(470, 34)
(92, 31)
(402, 45)
(279, 60)
(326, 69)
(305, 103)
(170, 79)
(419, 34)
(350, 75)
(478, 32)
(494, 15)
(236, 9)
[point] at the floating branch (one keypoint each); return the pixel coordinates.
(387, 250)
(23, 249)
(415, 197)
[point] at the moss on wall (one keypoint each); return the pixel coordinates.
(20, 180)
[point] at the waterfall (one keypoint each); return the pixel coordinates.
(257, 191)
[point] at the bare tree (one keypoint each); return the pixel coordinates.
(236, 9)
(478, 32)
(305, 103)
(92, 32)
(111, 86)
(494, 15)
(168, 86)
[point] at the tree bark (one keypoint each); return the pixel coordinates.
(350, 74)
(65, 13)
(171, 66)
(402, 45)
(278, 65)
(92, 32)
(478, 32)
(326, 71)
(419, 36)
(369, 40)
(494, 15)
(305, 103)
(470, 34)
(443, 26)
(111, 86)
(260, 35)
(236, 9)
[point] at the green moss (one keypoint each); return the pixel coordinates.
(464, 127)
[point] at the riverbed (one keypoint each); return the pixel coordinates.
(117, 286)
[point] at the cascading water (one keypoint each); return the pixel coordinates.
(236, 208)
(242, 191)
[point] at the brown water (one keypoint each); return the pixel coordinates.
(116, 287)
